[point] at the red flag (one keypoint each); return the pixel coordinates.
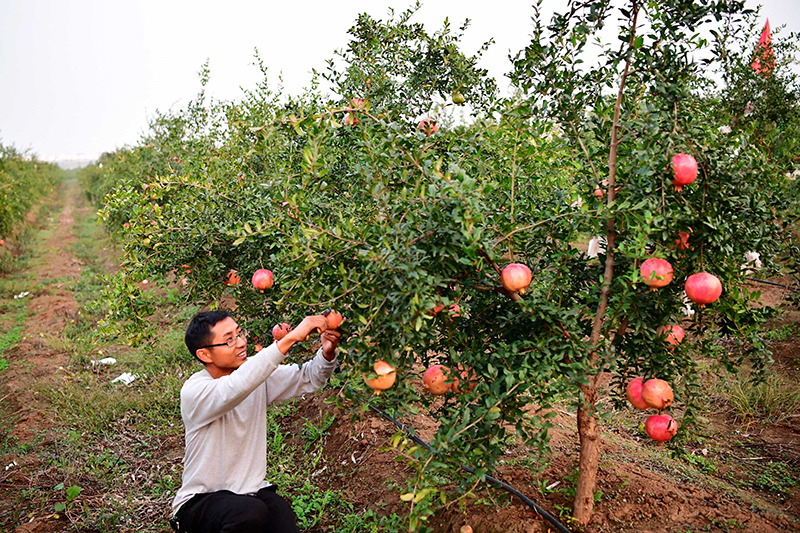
(764, 59)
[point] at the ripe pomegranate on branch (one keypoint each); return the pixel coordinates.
(656, 272)
(385, 377)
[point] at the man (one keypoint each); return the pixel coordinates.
(224, 411)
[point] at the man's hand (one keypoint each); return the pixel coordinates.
(330, 340)
(302, 331)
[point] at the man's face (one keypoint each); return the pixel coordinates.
(222, 360)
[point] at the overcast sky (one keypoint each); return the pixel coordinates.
(82, 77)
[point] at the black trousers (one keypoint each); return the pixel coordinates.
(226, 512)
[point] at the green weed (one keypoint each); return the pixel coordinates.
(8, 341)
(773, 400)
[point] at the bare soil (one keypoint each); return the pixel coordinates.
(643, 490)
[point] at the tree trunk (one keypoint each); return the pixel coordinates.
(589, 459)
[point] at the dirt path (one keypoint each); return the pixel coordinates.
(36, 361)
(39, 360)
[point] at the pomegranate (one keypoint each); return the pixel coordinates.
(291, 209)
(684, 170)
(656, 272)
(660, 428)
(682, 242)
(455, 311)
(428, 126)
(386, 375)
(703, 288)
(634, 393)
(465, 529)
(600, 192)
(232, 278)
(262, 279)
(350, 120)
(279, 331)
(467, 375)
(674, 334)
(516, 277)
(438, 308)
(657, 393)
(458, 98)
(258, 348)
(335, 319)
(435, 379)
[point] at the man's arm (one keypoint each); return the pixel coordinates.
(204, 401)
(290, 381)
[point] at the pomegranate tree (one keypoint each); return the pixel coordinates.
(392, 226)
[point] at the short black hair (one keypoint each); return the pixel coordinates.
(198, 332)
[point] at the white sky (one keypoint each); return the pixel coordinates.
(82, 77)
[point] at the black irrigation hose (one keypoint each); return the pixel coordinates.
(781, 285)
(550, 518)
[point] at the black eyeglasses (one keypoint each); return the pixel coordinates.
(230, 343)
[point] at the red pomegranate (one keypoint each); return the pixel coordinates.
(656, 272)
(516, 277)
(385, 377)
(468, 376)
(435, 379)
(600, 192)
(258, 348)
(634, 393)
(428, 126)
(657, 393)
(684, 170)
(279, 331)
(682, 242)
(703, 288)
(660, 428)
(674, 334)
(335, 319)
(232, 278)
(262, 279)
(438, 308)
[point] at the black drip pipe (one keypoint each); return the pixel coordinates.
(550, 518)
(794, 288)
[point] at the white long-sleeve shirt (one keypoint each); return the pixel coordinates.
(226, 421)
